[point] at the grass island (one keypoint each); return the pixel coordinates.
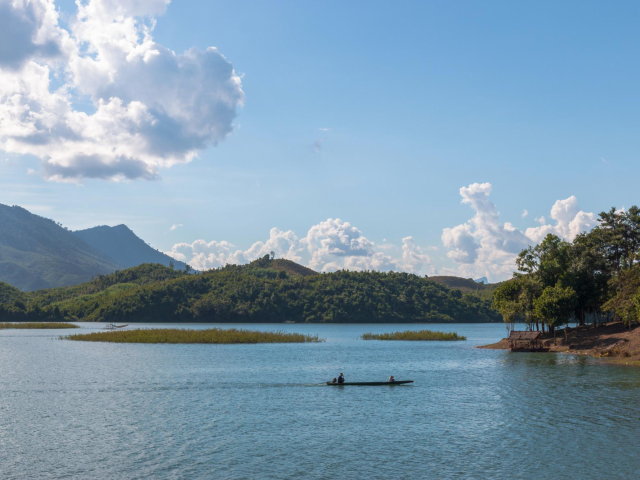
(43, 325)
(414, 335)
(176, 335)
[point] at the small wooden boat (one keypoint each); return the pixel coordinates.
(370, 384)
(113, 326)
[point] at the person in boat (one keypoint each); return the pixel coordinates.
(335, 380)
(391, 379)
(341, 378)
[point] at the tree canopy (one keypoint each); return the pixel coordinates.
(595, 276)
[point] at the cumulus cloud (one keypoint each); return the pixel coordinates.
(414, 259)
(27, 30)
(203, 255)
(486, 246)
(101, 98)
(330, 245)
(569, 221)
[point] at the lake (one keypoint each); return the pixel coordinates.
(129, 411)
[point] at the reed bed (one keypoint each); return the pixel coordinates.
(37, 325)
(213, 335)
(414, 335)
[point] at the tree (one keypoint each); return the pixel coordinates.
(555, 305)
(547, 261)
(514, 299)
(619, 235)
(623, 303)
(587, 273)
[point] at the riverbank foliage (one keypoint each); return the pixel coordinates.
(592, 279)
(36, 325)
(213, 335)
(266, 290)
(414, 335)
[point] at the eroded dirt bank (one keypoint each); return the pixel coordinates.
(612, 341)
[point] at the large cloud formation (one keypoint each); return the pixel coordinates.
(332, 244)
(99, 98)
(484, 246)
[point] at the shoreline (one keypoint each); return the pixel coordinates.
(611, 342)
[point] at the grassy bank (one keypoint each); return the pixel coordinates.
(214, 335)
(37, 325)
(413, 335)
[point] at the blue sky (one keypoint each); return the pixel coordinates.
(375, 113)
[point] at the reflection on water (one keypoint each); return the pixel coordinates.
(93, 410)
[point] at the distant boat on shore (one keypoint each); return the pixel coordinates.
(113, 326)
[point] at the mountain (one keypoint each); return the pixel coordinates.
(123, 246)
(36, 252)
(261, 291)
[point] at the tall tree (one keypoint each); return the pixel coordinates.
(555, 306)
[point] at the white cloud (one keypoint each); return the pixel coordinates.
(330, 245)
(203, 255)
(336, 242)
(28, 29)
(484, 246)
(175, 226)
(525, 213)
(414, 260)
(102, 99)
(569, 221)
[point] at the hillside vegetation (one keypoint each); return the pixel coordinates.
(266, 290)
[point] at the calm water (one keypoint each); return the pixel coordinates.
(92, 410)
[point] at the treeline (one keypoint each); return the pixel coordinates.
(594, 278)
(266, 290)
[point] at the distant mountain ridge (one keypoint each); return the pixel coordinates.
(124, 247)
(38, 253)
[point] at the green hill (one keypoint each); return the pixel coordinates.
(264, 291)
(466, 285)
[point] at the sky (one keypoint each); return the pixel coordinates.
(433, 137)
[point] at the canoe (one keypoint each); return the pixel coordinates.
(370, 384)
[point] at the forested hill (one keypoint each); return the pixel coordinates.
(263, 291)
(467, 285)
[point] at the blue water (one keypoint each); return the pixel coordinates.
(125, 411)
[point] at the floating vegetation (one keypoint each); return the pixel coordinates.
(213, 335)
(414, 335)
(37, 325)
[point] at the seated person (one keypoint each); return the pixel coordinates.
(341, 378)
(391, 379)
